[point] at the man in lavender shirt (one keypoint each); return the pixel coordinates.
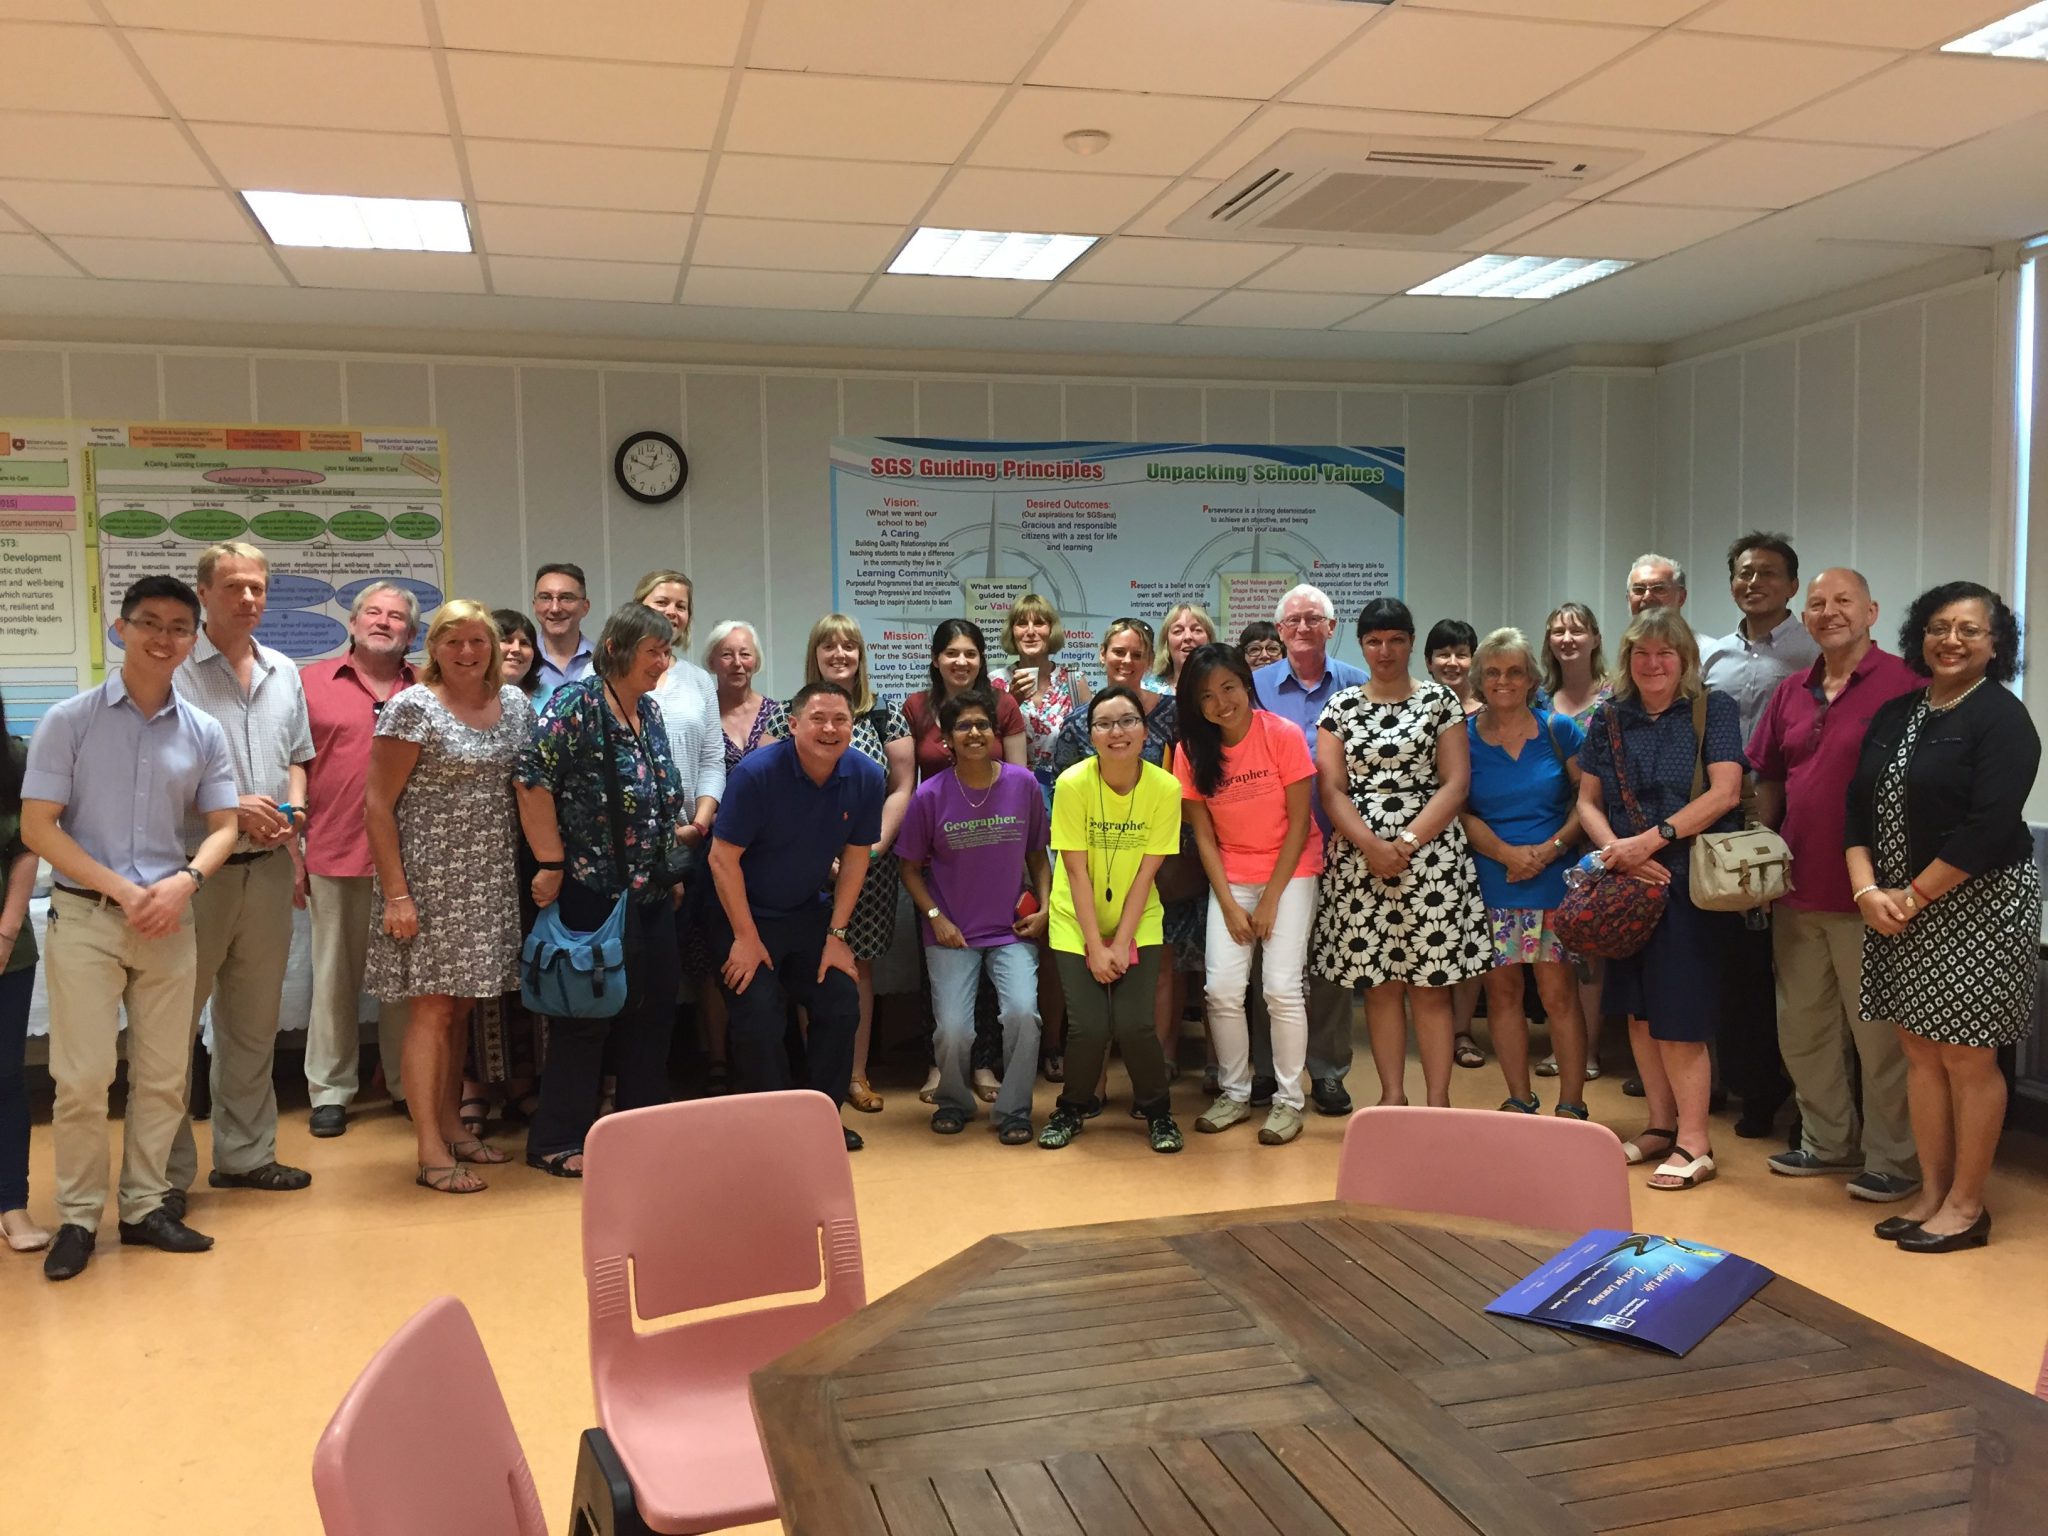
(1297, 688)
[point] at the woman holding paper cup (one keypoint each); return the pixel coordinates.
(1046, 691)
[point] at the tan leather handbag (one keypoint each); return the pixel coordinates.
(1734, 871)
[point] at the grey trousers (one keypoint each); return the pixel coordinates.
(340, 908)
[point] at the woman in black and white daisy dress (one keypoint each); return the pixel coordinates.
(1400, 909)
(1942, 868)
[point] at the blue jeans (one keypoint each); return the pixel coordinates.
(15, 990)
(956, 973)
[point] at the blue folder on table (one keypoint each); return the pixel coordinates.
(1649, 1290)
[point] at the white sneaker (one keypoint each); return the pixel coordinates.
(1223, 1114)
(1283, 1124)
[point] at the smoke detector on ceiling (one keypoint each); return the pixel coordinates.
(1406, 194)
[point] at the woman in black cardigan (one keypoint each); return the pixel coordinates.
(1942, 868)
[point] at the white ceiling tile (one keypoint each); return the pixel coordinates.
(47, 10)
(1654, 150)
(1705, 84)
(1878, 23)
(738, 288)
(1631, 231)
(334, 161)
(949, 296)
(69, 69)
(386, 21)
(836, 191)
(1927, 103)
(586, 176)
(640, 31)
(1118, 305)
(1149, 135)
(1138, 260)
(1425, 61)
(1176, 201)
(578, 101)
(586, 234)
(397, 271)
(296, 85)
(794, 245)
(847, 119)
(8, 223)
(1642, 13)
(84, 148)
(1439, 315)
(1338, 269)
(92, 208)
(914, 39)
(549, 277)
(1760, 173)
(1281, 118)
(26, 256)
(979, 197)
(1279, 311)
(174, 261)
(1245, 48)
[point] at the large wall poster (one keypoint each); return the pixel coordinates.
(924, 529)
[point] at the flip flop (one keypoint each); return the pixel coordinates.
(1465, 1051)
(1636, 1153)
(442, 1180)
(1687, 1175)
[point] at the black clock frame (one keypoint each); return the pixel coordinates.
(632, 442)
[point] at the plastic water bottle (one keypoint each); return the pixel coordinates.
(1586, 871)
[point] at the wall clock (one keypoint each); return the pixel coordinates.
(651, 467)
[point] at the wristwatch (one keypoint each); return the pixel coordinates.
(1668, 832)
(1404, 835)
(197, 878)
(1558, 844)
(841, 934)
(931, 914)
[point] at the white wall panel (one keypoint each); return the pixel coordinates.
(1306, 416)
(299, 391)
(1770, 443)
(1486, 501)
(800, 418)
(1824, 484)
(32, 383)
(638, 538)
(1239, 415)
(1960, 442)
(1165, 414)
(1099, 412)
(1437, 543)
(477, 407)
(952, 408)
(122, 385)
(1716, 491)
(211, 387)
(1028, 413)
(387, 394)
(1889, 389)
(729, 516)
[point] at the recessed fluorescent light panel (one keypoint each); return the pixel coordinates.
(988, 253)
(361, 223)
(2022, 35)
(1519, 277)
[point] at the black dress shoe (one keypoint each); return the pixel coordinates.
(70, 1251)
(1263, 1089)
(175, 1202)
(853, 1141)
(160, 1229)
(404, 1113)
(1329, 1096)
(272, 1176)
(329, 1120)
(1755, 1125)
(1632, 1087)
(1975, 1235)
(1892, 1228)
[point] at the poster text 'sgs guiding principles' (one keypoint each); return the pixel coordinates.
(924, 529)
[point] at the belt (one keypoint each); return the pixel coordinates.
(94, 897)
(250, 857)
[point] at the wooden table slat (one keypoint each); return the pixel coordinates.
(1058, 1386)
(1401, 1243)
(1183, 1286)
(1492, 1338)
(1093, 1496)
(1051, 1267)
(958, 1367)
(1008, 1326)
(1899, 1496)
(1948, 1520)
(1681, 1407)
(1270, 1485)
(1035, 1501)
(1072, 1281)
(1454, 1249)
(1396, 1484)
(1216, 1316)
(973, 1505)
(1037, 1254)
(1641, 1391)
(1211, 1489)
(1307, 1284)
(910, 1507)
(1150, 1488)
(1396, 1304)
(1335, 1487)
(1111, 1391)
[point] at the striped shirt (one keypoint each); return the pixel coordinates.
(688, 697)
(267, 728)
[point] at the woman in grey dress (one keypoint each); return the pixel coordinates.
(440, 819)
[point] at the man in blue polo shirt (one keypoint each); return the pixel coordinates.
(790, 810)
(111, 775)
(1296, 688)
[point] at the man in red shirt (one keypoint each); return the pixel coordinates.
(1804, 751)
(343, 699)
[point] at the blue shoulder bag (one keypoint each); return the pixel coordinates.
(569, 975)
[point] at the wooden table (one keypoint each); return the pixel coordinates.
(1328, 1368)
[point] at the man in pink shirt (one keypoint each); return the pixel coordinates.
(343, 699)
(1804, 751)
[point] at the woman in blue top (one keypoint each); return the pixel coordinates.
(1522, 818)
(1684, 782)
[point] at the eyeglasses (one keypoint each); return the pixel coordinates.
(1117, 724)
(157, 631)
(1969, 634)
(1306, 621)
(1650, 588)
(972, 727)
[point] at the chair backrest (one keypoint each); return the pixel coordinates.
(422, 1444)
(1535, 1170)
(2041, 1386)
(701, 1204)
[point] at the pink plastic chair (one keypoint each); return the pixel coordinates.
(693, 1206)
(2041, 1386)
(1534, 1170)
(422, 1445)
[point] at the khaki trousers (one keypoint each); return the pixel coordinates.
(339, 906)
(96, 963)
(1819, 957)
(242, 926)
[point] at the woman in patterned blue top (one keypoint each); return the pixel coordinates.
(1671, 989)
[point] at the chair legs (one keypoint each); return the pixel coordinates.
(604, 1503)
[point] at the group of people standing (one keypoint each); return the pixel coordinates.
(1293, 829)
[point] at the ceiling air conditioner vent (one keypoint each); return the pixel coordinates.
(1421, 194)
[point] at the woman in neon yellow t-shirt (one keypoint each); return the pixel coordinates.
(1115, 817)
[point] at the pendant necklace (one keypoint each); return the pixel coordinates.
(1123, 829)
(972, 803)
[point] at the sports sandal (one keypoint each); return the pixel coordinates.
(1466, 1053)
(556, 1164)
(948, 1121)
(1688, 1174)
(451, 1180)
(1636, 1152)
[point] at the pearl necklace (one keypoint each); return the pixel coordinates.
(1942, 709)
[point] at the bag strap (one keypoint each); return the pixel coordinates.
(1550, 734)
(614, 797)
(1628, 795)
(1699, 742)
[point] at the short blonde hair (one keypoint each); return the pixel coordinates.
(1128, 625)
(1668, 626)
(1168, 662)
(463, 610)
(1032, 606)
(837, 626)
(234, 549)
(1506, 641)
(644, 589)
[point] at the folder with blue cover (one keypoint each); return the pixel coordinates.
(1655, 1291)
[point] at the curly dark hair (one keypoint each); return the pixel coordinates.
(2005, 628)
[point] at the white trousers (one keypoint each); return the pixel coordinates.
(1229, 966)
